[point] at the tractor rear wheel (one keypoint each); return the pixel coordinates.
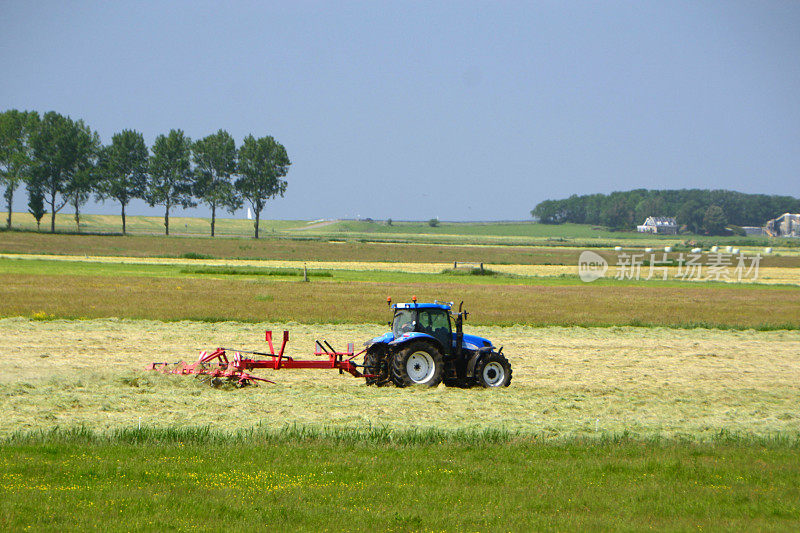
(419, 364)
(494, 370)
(376, 364)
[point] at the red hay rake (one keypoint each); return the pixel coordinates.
(216, 368)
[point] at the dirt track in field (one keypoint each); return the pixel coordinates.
(567, 381)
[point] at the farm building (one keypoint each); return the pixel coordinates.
(753, 230)
(660, 225)
(786, 225)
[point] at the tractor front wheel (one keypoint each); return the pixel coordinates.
(419, 364)
(494, 370)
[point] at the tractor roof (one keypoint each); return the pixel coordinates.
(415, 305)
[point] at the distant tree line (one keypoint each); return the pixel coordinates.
(700, 210)
(62, 161)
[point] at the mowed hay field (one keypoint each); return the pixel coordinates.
(567, 381)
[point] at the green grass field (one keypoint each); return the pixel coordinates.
(186, 482)
(219, 298)
(243, 227)
(627, 426)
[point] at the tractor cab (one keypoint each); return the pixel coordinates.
(431, 319)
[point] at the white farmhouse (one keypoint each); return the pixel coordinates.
(660, 225)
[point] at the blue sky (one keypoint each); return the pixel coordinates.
(456, 110)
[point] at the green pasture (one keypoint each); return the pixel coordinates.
(74, 289)
(484, 229)
(252, 274)
(183, 479)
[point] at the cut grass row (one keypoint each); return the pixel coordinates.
(258, 300)
(519, 485)
(586, 382)
(374, 435)
(104, 266)
(255, 272)
(303, 250)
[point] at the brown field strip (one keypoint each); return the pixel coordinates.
(303, 250)
(566, 381)
(363, 302)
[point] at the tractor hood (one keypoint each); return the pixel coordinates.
(473, 342)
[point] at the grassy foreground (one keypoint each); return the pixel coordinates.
(356, 484)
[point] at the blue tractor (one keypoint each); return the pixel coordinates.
(427, 346)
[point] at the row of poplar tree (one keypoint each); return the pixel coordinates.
(62, 161)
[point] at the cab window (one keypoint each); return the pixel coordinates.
(404, 322)
(435, 322)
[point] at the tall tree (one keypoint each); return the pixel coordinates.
(617, 214)
(36, 201)
(262, 164)
(123, 169)
(714, 220)
(649, 207)
(62, 151)
(83, 181)
(15, 157)
(691, 215)
(171, 173)
(215, 163)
